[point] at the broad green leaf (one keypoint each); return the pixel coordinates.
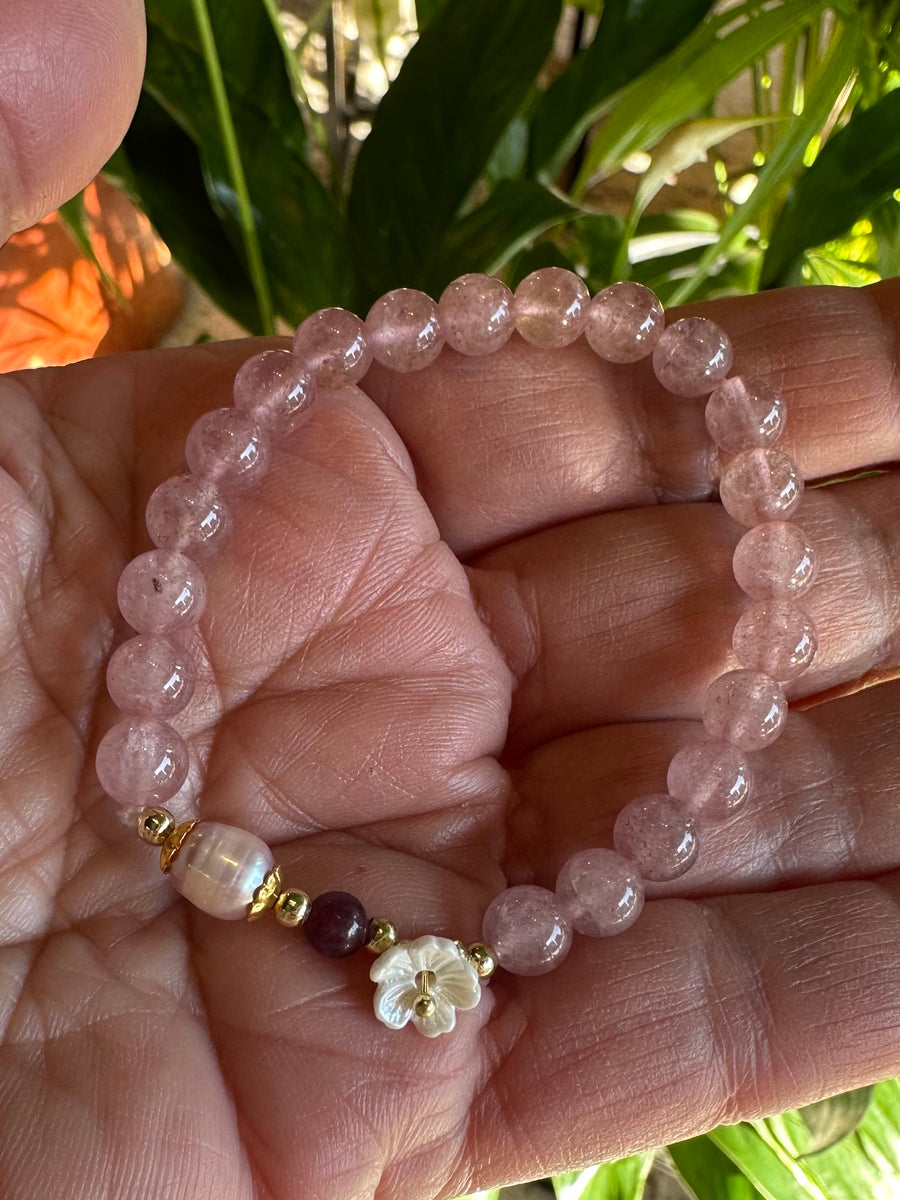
(858, 168)
(787, 155)
(772, 1169)
(621, 1180)
(821, 267)
(596, 238)
(708, 1172)
(631, 36)
(161, 167)
(457, 91)
(684, 83)
(427, 10)
(886, 229)
(303, 238)
(515, 213)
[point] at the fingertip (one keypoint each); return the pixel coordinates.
(70, 77)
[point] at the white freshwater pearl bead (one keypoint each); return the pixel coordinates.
(219, 867)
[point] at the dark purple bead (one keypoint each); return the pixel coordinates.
(337, 924)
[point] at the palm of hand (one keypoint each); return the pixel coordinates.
(354, 710)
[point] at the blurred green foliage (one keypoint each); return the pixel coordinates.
(486, 150)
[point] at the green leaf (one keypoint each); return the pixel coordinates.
(457, 91)
(772, 1169)
(787, 155)
(302, 236)
(858, 168)
(631, 36)
(621, 1180)
(515, 213)
(709, 1172)
(161, 166)
(74, 218)
(426, 11)
(684, 83)
(886, 229)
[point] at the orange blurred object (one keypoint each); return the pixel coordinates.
(54, 305)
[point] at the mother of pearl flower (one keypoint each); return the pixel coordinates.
(424, 981)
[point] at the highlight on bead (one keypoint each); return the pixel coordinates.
(230, 873)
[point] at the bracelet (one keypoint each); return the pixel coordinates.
(527, 930)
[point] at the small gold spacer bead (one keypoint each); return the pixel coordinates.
(483, 958)
(154, 825)
(292, 908)
(381, 935)
(266, 895)
(172, 844)
(425, 1006)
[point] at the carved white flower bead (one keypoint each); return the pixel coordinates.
(424, 981)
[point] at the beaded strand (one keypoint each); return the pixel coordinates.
(231, 873)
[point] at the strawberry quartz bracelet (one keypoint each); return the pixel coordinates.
(230, 873)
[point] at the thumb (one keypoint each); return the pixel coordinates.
(70, 76)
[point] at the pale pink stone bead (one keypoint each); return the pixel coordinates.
(150, 674)
(624, 322)
(745, 708)
(332, 345)
(775, 637)
(275, 390)
(227, 447)
(403, 330)
(743, 413)
(691, 356)
(658, 836)
(219, 867)
(188, 514)
(142, 761)
(760, 485)
(711, 779)
(601, 892)
(476, 314)
(551, 307)
(527, 929)
(774, 559)
(161, 591)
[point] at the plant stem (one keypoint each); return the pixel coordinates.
(246, 219)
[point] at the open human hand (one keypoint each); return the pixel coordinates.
(416, 690)
(454, 632)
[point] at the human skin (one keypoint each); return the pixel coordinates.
(464, 618)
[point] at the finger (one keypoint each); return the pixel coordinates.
(70, 75)
(629, 616)
(702, 1013)
(526, 438)
(822, 807)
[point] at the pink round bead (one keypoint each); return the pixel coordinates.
(227, 447)
(332, 345)
(658, 836)
(476, 314)
(600, 892)
(551, 307)
(161, 591)
(219, 867)
(624, 322)
(403, 330)
(744, 413)
(691, 356)
(760, 485)
(149, 674)
(745, 708)
(189, 515)
(527, 929)
(275, 390)
(774, 559)
(142, 761)
(711, 779)
(775, 637)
